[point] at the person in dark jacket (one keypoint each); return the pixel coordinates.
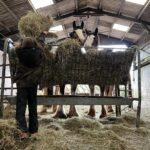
(26, 64)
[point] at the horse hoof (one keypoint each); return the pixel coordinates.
(60, 115)
(74, 114)
(102, 116)
(91, 114)
(44, 111)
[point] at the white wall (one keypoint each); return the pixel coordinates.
(145, 77)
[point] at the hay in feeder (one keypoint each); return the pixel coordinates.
(33, 24)
(54, 72)
(93, 67)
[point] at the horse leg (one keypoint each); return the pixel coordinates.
(49, 93)
(103, 111)
(44, 107)
(92, 107)
(56, 92)
(72, 109)
(109, 107)
(60, 112)
(130, 91)
(54, 108)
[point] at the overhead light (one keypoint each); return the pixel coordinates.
(100, 47)
(83, 50)
(118, 50)
(41, 3)
(140, 2)
(120, 27)
(56, 29)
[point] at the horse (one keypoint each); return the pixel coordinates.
(79, 36)
(92, 41)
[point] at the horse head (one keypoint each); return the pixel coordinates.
(78, 32)
(92, 38)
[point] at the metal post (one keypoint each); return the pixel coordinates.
(117, 106)
(139, 91)
(3, 77)
(11, 88)
(125, 90)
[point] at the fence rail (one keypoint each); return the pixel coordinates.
(77, 100)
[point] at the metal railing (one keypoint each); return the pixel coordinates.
(79, 100)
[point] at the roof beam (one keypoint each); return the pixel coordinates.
(32, 6)
(100, 5)
(146, 27)
(95, 12)
(8, 34)
(121, 6)
(9, 10)
(138, 17)
(4, 26)
(76, 5)
(97, 20)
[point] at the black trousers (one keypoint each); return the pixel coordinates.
(27, 95)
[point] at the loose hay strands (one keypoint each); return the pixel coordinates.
(9, 111)
(78, 123)
(8, 135)
(76, 133)
(34, 24)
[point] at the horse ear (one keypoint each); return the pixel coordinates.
(74, 25)
(82, 24)
(96, 31)
(71, 34)
(86, 31)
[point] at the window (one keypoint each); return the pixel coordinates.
(140, 2)
(56, 29)
(120, 27)
(41, 3)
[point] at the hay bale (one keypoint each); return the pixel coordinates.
(9, 111)
(8, 135)
(33, 24)
(78, 123)
(54, 126)
(131, 120)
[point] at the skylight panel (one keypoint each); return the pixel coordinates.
(120, 27)
(140, 2)
(41, 3)
(56, 29)
(112, 46)
(119, 50)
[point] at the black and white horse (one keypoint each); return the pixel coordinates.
(79, 36)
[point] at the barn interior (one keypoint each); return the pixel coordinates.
(121, 24)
